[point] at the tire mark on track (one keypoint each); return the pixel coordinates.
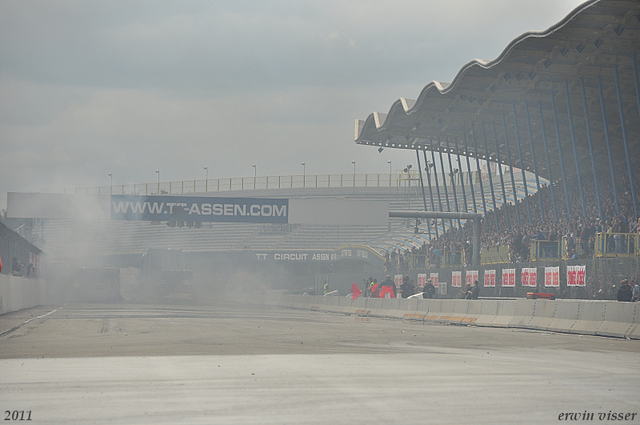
(15, 328)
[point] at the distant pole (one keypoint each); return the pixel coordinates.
(111, 184)
(254, 175)
(206, 179)
(158, 173)
(354, 173)
(304, 173)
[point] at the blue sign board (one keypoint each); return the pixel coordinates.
(199, 209)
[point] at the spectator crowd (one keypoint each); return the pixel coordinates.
(502, 227)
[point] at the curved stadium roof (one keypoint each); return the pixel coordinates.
(572, 65)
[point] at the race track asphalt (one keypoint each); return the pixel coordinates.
(241, 364)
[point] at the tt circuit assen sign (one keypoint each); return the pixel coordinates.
(199, 209)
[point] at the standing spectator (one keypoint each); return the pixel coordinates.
(406, 288)
(429, 290)
(635, 290)
(16, 267)
(624, 293)
(474, 291)
(389, 282)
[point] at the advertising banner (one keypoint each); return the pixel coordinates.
(422, 279)
(456, 279)
(576, 275)
(199, 209)
(489, 278)
(434, 279)
(397, 279)
(552, 277)
(508, 278)
(529, 277)
(471, 276)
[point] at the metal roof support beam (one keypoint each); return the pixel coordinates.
(573, 143)
(504, 192)
(424, 197)
(464, 195)
(476, 217)
(427, 168)
(453, 185)
(435, 174)
(513, 182)
(593, 160)
(466, 151)
(546, 155)
(444, 183)
(606, 138)
(484, 202)
(535, 163)
(624, 139)
(451, 176)
(635, 79)
(564, 174)
(524, 176)
(493, 195)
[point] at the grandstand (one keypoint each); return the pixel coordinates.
(546, 141)
(104, 238)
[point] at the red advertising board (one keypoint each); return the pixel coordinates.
(434, 279)
(508, 278)
(489, 278)
(456, 279)
(552, 277)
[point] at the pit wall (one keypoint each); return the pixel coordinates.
(586, 317)
(18, 293)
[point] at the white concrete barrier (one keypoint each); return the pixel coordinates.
(522, 314)
(394, 307)
(376, 305)
(488, 312)
(565, 316)
(422, 309)
(544, 312)
(618, 319)
(412, 309)
(590, 317)
(506, 311)
(18, 293)
(606, 318)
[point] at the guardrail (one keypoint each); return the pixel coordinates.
(411, 178)
(541, 250)
(617, 245)
(495, 255)
(568, 248)
(246, 183)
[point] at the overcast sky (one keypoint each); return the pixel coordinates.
(94, 87)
